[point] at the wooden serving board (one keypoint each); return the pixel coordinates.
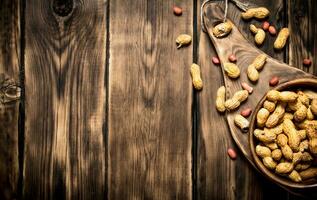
(236, 44)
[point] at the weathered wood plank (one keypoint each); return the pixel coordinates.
(218, 176)
(9, 112)
(302, 23)
(65, 100)
(150, 100)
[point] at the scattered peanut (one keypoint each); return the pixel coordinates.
(195, 72)
(236, 100)
(281, 38)
(232, 58)
(257, 64)
(232, 154)
(259, 37)
(265, 25)
(307, 62)
(215, 60)
(274, 81)
(232, 70)
(252, 73)
(183, 40)
(242, 123)
(222, 29)
(258, 13)
(272, 30)
(177, 10)
(220, 100)
(247, 87)
(246, 112)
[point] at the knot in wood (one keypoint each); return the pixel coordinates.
(63, 7)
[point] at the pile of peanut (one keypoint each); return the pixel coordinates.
(287, 134)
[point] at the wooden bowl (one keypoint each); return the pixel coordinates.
(305, 83)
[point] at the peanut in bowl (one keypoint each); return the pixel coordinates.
(283, 134)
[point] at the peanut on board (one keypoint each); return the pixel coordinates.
(252, 73)
(259, 61)
(183, 39)
(269, 162)
(291, 132)
(195, 72)
(257, 64)
(309, 173)
(222, 29)
(231, 69)
(258, 13)
(242, 122)
(259, 34)
(281, 38)
(270, 106)
(276, 116)
(262, 116)
(265, 137)
(220, 100)
(262, 151)
(284, 168)
(236, 100)
(294, 176)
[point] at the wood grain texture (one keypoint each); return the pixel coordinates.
(150, 100)
(65, 100)
(302, 18)
(218, 176)
(9, 112)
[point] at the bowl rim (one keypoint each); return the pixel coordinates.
(308, 82)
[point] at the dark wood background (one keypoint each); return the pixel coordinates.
(107, 108)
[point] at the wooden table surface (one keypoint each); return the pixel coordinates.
(107, 108)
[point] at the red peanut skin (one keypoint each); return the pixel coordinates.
(274, 81)
(232, 154)
(177, 10)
